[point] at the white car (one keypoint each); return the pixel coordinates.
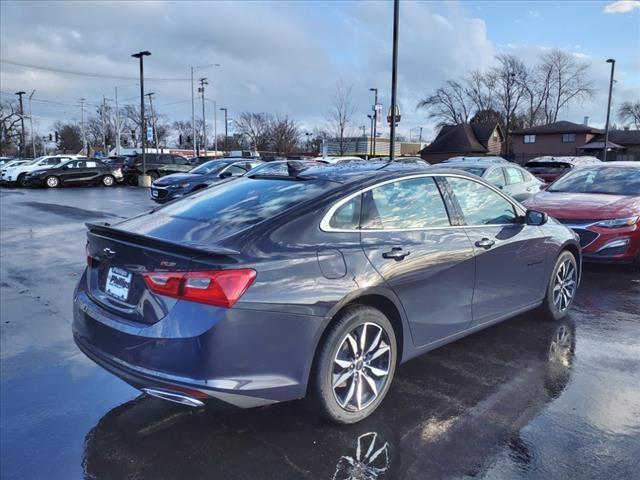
(18, 173)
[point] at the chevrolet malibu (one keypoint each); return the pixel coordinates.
(316, 284)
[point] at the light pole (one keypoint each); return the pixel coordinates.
(193, 104)
(22, 138)
(33, 138)
(153, 119)
(144, 178)
(606, 126)
(371, 119)
(374, 123)
(226, 131)
(394, 79)
(84, 135)
(203, 82)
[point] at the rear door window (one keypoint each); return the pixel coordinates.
(496, 177)
(513, 175)
(405, 204)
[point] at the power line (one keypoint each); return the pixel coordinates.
(89, 74)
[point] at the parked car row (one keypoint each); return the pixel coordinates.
(57, 170)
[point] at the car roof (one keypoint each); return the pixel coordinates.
(619, 164)
(467, 165)
(489, 159)
(567, 159)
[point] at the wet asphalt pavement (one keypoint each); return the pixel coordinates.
(526, 399)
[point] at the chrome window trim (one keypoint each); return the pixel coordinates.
(325, 227)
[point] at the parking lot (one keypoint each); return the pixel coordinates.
(524, 399)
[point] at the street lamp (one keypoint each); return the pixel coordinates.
(374, 122)
(226, 133)
(394, 79)
(22, 138)
(143, 180)
(606, 126)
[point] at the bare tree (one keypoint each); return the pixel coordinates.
(283, 134)
(340, 115)
(629, 112)
(568, 81)
(255, 128)
(9, 126)
(449, 104)
(479, 89)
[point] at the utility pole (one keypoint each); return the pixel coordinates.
(371, 119)
(84, 136)
(22, 137)
(394, 79)
(215, 127)
(33, 137)
(117, 125)
(193, 105)
(374, 123)
(203, 82)
(226, 131)
(153, 120)
(104, 126)
(606, 126)
(140, 56)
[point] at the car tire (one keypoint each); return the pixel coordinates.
(108, 181)
(562, 287)
(364, 384)
(52, 182)
(22, 180)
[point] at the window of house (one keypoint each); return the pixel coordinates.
(568, 137)
(529, 139)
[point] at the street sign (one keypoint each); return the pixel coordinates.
(149, 134)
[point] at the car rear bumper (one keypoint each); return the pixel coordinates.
(243, 357)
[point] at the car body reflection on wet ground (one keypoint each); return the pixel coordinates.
(526, 399)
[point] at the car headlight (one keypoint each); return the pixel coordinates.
(617, 222)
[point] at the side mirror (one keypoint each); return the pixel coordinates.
(226, 174)
(536, 218)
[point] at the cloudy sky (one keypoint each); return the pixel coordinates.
(286, 57)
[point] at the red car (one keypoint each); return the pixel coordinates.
(601, 202)
(549, 169)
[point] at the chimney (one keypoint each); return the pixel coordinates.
(586, 121)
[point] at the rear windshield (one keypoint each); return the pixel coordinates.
(225, 209)
(604, 180)
(475, 170)
(547, 167)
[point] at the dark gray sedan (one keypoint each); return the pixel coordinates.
(320, 283)
(509, 177)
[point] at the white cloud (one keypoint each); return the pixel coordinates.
(622, 6)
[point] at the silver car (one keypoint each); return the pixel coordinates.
(509, 177)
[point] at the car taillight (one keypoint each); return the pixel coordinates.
(222, 288)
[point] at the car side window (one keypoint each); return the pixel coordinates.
(164, 159)
(178, 160)
(347, 216)
(236, 170)
(71, 165)
(405, 204)
(513, 175)
(496, 177)
(81, 164)
(480, 205)
(91, 164)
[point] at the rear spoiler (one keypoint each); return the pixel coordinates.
(187, 247)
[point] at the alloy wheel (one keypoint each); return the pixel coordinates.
(52, 182)
(107, 181)
(361, 367)
(564, 287)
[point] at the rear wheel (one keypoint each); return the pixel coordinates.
(562, 287)
(22, 180)
(108, 180)
(52, 182)
(355, 365)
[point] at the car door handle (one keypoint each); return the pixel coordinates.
(485, 243)
(396, 253)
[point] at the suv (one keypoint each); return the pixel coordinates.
(156, 166)
(18, 173)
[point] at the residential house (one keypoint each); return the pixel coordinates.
(623, 145)
(556, 139)
(464, 139)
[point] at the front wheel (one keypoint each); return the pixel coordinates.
(562, 287)
(52, 182)
(355, 365)
(22, 180)
(108, 181)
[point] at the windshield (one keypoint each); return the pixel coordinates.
(604, 180)
(212, 166)
(547, 167)
(228, 208)
(34, 161)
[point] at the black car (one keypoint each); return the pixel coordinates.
(180, 184)
(75, 172)
(156, 165)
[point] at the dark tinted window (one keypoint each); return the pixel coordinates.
(347, 217)
(611, 180)
(496, 177)
(479, 171)
(548, 167)
(481, 205)
(178, 160)
(226, 209)
(164, 159)
(404, 204)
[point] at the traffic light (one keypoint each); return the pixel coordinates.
(56, 136)
(180, 139)
(50, 137)
(188, 138)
